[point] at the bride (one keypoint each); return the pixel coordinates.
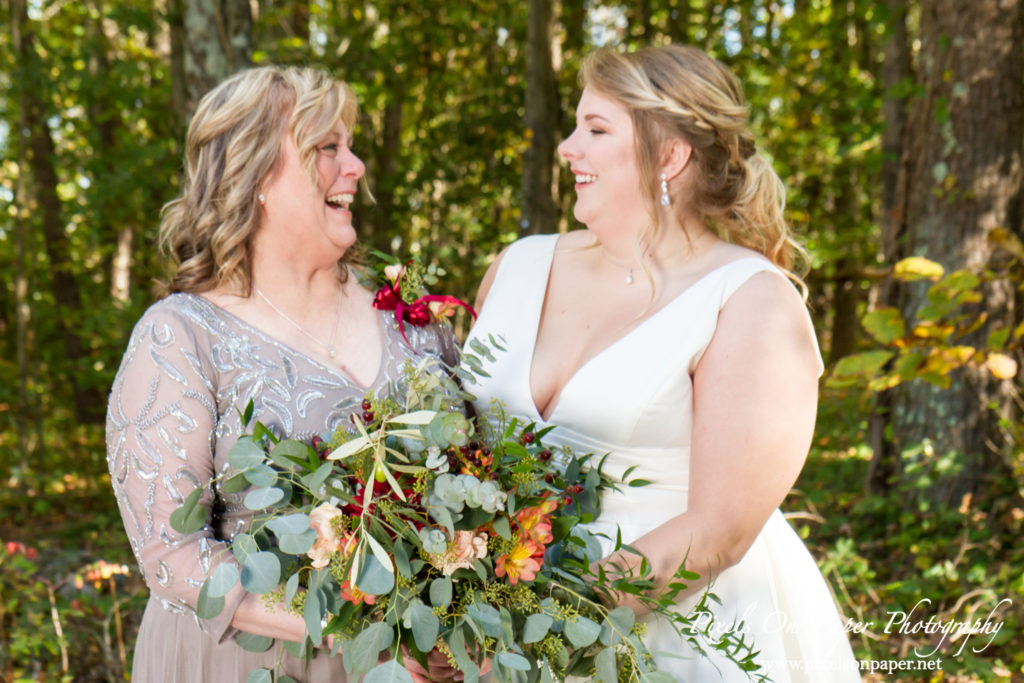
(671, 333)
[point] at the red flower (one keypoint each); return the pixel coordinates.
(418, 315)
(387, 298)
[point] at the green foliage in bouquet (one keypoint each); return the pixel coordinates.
(417, 529)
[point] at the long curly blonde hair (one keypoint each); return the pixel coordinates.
(233, 145)
(679, 91)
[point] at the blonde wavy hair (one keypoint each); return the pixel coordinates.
(677, 91)
(233, 145)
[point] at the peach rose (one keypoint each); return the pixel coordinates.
(327, 539)
(393, 272)
(463, 549)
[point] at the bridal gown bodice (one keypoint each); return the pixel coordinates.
(634, 400)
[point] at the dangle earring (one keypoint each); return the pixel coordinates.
(665, 201)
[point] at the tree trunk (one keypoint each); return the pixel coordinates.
(966, 138)
(885, 467)
(218, 42)
(25, 413)
(678, 26)
(179, 81)
(539, 213)
(389, 173)
(89, 402)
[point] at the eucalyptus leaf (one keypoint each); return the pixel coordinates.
(207, 606)
(289, 448)
(617, 625)
(297, 544)
(582, 632)
(296, 523)
(223, 580)
(374, 579)
(245, 454)
(315, 480)
(190, 517)
(243, 546)
(250, 642)
(313, 616)
(261, 572)
(514, 661)
(261, 475)
(487, 617)
(402, 559)
(367, 646)
(260, 676)
(604, 662)
(258, 499)
(501, 525)
(388, 672)
(235, 483)
(441, 592)
(457, 645)
(425, 626)
(536, 627)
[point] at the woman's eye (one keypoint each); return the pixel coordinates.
(596, 131)
(330, 147)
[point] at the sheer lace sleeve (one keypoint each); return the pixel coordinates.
(160, 437)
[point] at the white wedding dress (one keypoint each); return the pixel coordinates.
(634, 400)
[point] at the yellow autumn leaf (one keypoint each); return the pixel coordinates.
(918, 268)
(1001, 366)
(1005, 239)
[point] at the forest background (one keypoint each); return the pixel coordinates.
(897, 125)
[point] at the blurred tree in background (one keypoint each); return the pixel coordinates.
(898, 126)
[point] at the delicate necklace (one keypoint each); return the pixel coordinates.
(329, 346)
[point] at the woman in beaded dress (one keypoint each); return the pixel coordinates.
(262, 305)
(668, 335)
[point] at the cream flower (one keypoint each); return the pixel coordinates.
(327, 539)
(464, 548)
(393, 272)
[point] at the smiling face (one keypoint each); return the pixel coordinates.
(317, 219)
(602, 156)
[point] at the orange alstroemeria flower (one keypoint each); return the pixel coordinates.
(520, 563)
(536, 523)
(356, 596)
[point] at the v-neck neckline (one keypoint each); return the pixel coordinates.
(557, 396)
(337, 372)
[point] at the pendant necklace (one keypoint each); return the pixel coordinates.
(329, 346)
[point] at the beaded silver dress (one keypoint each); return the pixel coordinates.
(173, 415)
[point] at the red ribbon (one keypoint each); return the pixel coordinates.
(417, 314)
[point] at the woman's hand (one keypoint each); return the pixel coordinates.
(438, 670)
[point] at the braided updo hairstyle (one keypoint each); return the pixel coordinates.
(680, 92)
(232, 146)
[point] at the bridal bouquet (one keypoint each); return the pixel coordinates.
(416, 528)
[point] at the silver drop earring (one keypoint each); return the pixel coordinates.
(665, 201)
(263, 198)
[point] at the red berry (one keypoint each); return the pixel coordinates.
(544, 455)
(567, 500)
(549, 477)
(578, 488)
(367, 416)
(317, 442)
(366, 404)
(529, 437)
